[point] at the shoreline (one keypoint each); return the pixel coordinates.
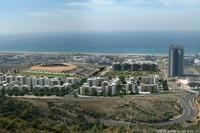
(90, 53)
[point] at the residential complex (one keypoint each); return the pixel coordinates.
(135, 66)
(103, 86)
(31, 83)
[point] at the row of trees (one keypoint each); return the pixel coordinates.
(51, 91)
(14, 91)
(37, 91)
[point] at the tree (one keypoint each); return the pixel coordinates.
(16, 91)
(3, 91)
(122, 79)
(41, 92)
(36, 91)
(25, 90)
(47, 91)
(63, 91)
(9, 91)
(164, 84)
(55, 91)
(168, 115)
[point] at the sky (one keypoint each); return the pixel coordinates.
(30, 16)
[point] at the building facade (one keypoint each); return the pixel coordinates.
(176, 60)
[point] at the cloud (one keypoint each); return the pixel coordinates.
(76, 7)
(98, 6)
(181, 3)
(91, 4)
(103, 4)
(121, 15)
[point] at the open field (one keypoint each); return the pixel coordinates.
(150, 108)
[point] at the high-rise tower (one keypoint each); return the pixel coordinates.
(176, 60)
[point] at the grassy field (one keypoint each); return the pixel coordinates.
(148, 108)
(33, 74)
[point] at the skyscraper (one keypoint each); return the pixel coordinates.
(176, 60)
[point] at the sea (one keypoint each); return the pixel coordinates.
(100, 42)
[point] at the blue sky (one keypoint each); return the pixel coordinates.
(21, 16)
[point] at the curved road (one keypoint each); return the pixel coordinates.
(189, 112)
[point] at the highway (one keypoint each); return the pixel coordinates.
(187, 103)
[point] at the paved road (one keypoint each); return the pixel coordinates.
(189, 112)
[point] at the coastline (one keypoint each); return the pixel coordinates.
(91, 53)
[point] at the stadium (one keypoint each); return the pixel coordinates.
(54, 68)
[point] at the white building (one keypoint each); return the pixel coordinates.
(41, 81)
(99, 80)
(91, 82)
(30, 83)
(108, 90)
(21, 80)
(116, 81)
(34, 82)
(55, 81)
(104, 84)
(84, 90)
(10, 79)
(47, 81)
(114, 89)
(67, 86)
(72, 80)
(152, 88)
(150, 79)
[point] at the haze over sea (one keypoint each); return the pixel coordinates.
(101, 42)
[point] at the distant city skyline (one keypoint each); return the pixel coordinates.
(22, 16)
